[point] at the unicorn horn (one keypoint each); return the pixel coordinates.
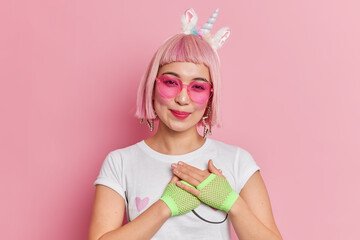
(209, 24)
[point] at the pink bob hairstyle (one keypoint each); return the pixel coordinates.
(180, 48)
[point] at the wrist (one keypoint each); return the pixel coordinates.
(235, 207)
(164, 210)
(229, 201)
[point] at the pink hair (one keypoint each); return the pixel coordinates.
(180, 48)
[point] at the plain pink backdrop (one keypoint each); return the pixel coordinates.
(69, 76)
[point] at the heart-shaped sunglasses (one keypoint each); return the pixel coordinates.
(198, 91)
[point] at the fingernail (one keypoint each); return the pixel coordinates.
(174, 165)
(176, 171)
(178, 183)
(180, 163)
(220, 170)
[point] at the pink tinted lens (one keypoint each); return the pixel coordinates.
(169, 87)
(199, 92)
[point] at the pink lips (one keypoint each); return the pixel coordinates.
(180, 115)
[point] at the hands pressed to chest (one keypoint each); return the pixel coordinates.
(208, 186)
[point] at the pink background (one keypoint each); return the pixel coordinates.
(69, 75)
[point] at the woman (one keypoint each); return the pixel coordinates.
(168, 184)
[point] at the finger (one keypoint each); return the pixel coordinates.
(190, 168)
(189, 189)
(192, 171)
(213, 169)
(174, 179)
(186, 177)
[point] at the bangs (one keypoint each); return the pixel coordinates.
(187, 48)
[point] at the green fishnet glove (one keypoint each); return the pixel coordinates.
(178, 200)
(216, 192)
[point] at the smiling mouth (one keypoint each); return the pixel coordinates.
(180, 115)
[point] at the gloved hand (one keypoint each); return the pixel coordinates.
(216, 192)
(178, 200)
(212, 189)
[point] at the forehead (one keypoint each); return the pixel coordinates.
(186, 70)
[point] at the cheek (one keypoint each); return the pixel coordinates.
(160, 99)
(201, 106)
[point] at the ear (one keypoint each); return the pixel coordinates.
(220, 37)
(188, 21)
(189, 15)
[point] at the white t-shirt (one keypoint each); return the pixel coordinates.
(140, 175)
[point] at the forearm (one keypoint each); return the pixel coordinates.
(247, 225)
(144, 226)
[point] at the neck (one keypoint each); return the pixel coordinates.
(170, 142)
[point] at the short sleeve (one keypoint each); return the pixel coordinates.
(245, 167)
(111, 174)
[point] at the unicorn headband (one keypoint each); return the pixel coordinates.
(189, 20)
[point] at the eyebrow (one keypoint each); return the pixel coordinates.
(178, 76)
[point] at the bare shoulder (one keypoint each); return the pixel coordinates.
(108, 212)
(256, 196)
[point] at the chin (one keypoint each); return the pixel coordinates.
(179, 127)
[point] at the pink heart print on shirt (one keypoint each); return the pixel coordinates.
(141, 204)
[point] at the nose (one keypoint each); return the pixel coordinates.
(183, 98)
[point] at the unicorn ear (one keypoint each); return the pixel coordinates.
(220, 37)
(188, 21)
